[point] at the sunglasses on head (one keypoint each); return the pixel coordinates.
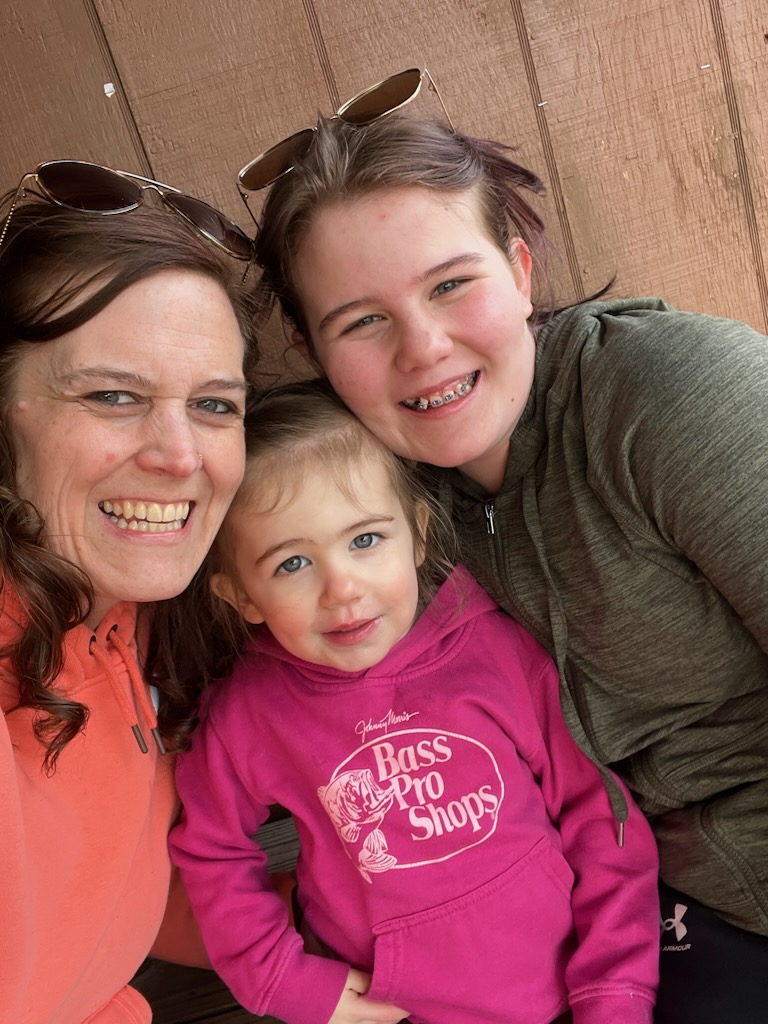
(92, 188)
(369, 105)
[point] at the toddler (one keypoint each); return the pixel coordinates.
(461, 859)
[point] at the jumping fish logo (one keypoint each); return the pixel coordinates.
(353, 801)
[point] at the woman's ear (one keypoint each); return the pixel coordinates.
(420, 540)
(522, 265)
(301, 344)
(224, 588)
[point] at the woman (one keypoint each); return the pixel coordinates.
(124, 353)
(606, 466)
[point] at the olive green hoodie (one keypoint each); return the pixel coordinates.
(631, 537)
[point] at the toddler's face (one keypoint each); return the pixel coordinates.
(330, 570)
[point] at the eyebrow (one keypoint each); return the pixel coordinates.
(104, 374)
(462, 260)
(291, 542)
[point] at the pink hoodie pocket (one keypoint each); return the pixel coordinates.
(498, 953)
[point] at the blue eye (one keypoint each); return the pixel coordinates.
(111, 397)
(292, 564)
(364, 321)
(447, 286)
(366, 540)
(217, 406)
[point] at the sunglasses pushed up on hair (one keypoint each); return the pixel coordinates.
(367, 106)
(92, 188)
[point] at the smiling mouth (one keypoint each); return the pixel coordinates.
(146, 516)
(458, 389)
(352, 633)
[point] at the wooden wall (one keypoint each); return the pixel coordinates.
(646, 119)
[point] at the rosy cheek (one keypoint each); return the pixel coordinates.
(110, 458)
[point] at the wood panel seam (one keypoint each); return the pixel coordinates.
(125, 108)
(322, 52)
(549, 151)
(742, 162)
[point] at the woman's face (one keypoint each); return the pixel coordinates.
(420, 322)
(129, 435)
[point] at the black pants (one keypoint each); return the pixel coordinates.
(711, 972)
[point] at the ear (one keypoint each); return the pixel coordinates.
(522, 265)
(301, 344)
(224, 588)
(420, 540)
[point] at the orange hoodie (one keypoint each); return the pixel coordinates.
(84, 863)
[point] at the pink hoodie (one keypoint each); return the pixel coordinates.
(455, 841)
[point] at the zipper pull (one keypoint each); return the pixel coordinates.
(489, 514)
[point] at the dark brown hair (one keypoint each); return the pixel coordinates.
(58, 269)
(397, 151)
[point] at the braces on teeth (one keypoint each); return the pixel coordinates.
(449, 395)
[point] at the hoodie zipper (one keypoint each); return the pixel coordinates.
(559, 630)
(490, 514)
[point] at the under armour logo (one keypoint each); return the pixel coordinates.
(676, 922)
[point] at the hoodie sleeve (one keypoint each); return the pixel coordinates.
(244, 923)
(693, 419)
(613, 974)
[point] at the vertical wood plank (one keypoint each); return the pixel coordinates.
(639, 123)
(745, 41)
(213, 82)
(54, 105)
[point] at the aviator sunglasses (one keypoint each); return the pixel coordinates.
(92, 188)
(369, 105)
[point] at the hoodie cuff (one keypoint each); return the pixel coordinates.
(310, 991)
(608, 1009)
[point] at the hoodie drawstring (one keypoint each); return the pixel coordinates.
(559, 624)
(137, 686)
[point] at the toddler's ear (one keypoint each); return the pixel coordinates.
(223, 587)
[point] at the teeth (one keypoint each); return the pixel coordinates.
(437, 398)
(146, 517)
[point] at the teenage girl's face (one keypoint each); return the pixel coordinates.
(333, 578)
(420, 322)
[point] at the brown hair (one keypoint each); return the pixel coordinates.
(288, 429)
(58, 269)
(397, 151)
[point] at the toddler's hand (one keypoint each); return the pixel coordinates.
(354, 1008)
